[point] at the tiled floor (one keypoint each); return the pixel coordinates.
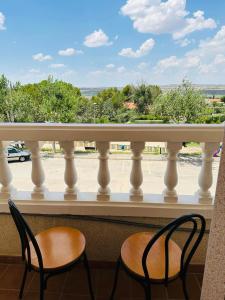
(73, 285)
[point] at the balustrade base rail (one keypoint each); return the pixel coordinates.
(119, 205)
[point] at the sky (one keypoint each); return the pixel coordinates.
(113, 42)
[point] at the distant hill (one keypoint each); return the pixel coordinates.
(209, 90)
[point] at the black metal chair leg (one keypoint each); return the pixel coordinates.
(115, 279)
(23, 282)
(42, 286)
(185, 288)
(147, 292)
(88, 276)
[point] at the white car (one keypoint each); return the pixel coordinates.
(17, 154)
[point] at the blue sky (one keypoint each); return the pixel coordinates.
(113, 42)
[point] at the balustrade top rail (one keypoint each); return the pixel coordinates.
(112, 132)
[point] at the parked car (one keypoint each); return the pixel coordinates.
(17, 154)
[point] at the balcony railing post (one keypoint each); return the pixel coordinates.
(171, 176)
(136, 176)
(70, 174)
(5, 173)
(103, 172)
(205, 179)
(37, 173)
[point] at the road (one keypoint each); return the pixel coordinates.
(153, 167)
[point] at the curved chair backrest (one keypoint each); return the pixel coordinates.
(198, 225)
(26, 236)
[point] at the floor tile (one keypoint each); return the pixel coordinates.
(105, 283)
(9, 295)
(54, 284)
(74, 285)
(72, 297)
(12, 277)
(3, 268)
(76, 282)
(199, 278)
(175, 290)
(158, 291)
(36, 296)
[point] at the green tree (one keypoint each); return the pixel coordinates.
(144, 96)
(182, 105)
(223, 99)
(8, 106)
(128, 91)
(53, 101)
(106, 104)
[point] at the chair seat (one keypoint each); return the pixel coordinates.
(132, 251)
(59, 246)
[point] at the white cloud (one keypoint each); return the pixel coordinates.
(41, 57)
(215, 44)
(110, 66)
(184, 43)
(144, 49)
(2, 21)
(196, 23)
(187, 62)
(207, 58)
(69, 52)
(34, 71)
(219, 59)
(169, 62)
(57, 66)
(121, 69)
(157, 17)
(97, 39)
(97, 72)
(142, 66)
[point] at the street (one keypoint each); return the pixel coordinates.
(153, 167)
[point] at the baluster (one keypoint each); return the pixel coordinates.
(103, 172)
(5, 173)
(136, 176)
(70, 174)
(37, 173)
(205, 179)
(171, 176)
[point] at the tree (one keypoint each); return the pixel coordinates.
(8, 104)
(182, 105)
(53, 100)
(128, 91)
(223, 99)
(61, 100)
(106, 104)
(144, 96)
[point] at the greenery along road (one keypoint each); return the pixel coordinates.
(57, 101)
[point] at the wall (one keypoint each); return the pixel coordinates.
(103, 239)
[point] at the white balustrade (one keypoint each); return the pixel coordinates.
(5, 173)
(103, 172)
(206, 177)
(37, 173)
(171, 176)
(134, 203)
(70, 174)
(136, 176)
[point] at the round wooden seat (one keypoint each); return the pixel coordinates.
(132, 251)
(59, 247)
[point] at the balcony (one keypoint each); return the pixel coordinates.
(105, 201)
(106, 209)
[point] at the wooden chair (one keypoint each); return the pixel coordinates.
(51, 252)
(156, 259)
